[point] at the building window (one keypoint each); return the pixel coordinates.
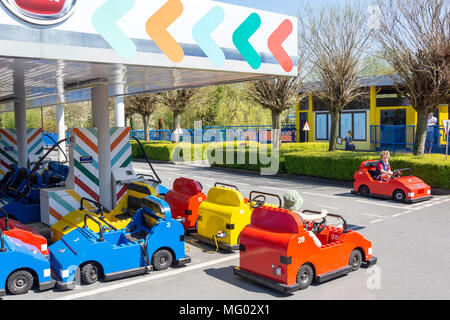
(356, 122)
(322, 126)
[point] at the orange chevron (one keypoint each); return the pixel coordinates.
(157, 25)
(86, 140)
(120, 138)
(55, 214)
(3, 132)
(34, 135)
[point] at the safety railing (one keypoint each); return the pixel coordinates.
(261, 134)
(398, 138)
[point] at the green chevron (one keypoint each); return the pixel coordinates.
(241, 40)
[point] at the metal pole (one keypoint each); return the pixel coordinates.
(20, 117)
(100, 113)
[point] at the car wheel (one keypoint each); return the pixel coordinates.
(355, 259)
(364, 191)
(162, 259)
(305, 276)
(20, 282)
(90, 273)
(399, 196)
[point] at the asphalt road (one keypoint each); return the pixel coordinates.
(412, 243)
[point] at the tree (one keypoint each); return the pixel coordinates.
(178, 101)
(335, 39)
(277, 95)
(415, 36)
(144, 105)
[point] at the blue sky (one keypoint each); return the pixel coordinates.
(289, 7)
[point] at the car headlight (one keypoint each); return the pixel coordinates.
(370, 251)
(64, 273)
(44, 247)
(411, 194)
(47, 273)
(429, 192)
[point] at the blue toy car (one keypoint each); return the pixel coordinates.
(22, 267)
(23, 203)
(152, 240)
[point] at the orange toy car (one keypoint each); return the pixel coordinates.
(278, 250)
(26, 234)
(184, 200)
(407, 189)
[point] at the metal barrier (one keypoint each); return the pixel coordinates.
(48, 143)
(261, 134)
(402, 138)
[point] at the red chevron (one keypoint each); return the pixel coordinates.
(86, 189)
(275, 45)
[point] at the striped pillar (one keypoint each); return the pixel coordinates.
(35, 144)
(120, 155)
(85, 163)
(8, 149)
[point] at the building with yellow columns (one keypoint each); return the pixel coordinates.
(371, 118)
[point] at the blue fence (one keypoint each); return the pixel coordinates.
(49, 142)
(401, 138)
(262, 134)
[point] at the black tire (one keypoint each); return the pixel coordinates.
(355, 259)
(162, 259)
(399, 196)
(364, 191)
(305, 276)
(90, 273)
(19, 282)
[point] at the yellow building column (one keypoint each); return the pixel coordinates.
(374, 120)
(297, 115)
(311, 118)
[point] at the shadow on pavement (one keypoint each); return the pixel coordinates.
(226, 274)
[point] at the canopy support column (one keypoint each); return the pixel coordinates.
(100, 113)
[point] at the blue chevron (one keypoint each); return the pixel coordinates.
(202, 35)
(105, 21)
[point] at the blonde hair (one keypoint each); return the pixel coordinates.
(385, 153)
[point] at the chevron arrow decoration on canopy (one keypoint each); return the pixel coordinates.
(157, 25)
(105, 21)
(202, 35)
(275, 45)
(241, 40)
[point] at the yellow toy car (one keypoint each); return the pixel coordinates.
(225, 213)
(118, 218)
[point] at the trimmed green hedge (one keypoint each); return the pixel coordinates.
(306, 159)
(340, 165)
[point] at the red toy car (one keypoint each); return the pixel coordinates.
(26, 234)
(278, 250)
(184, 200)
(407, 189)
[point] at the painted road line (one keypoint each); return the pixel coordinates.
(327, 207)
(375, 221)
(147, 279)
(396, 215)
(320, 195)
(374, 215)
(382, 204)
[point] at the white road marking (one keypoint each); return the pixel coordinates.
(396, 215)
(320, 195)
(327, 207)
(146, 279)
(381, 204)
(375, 221)
(374, 215)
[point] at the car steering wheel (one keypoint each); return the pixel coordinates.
(258, 203)
(319, 226)
(397, 174)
